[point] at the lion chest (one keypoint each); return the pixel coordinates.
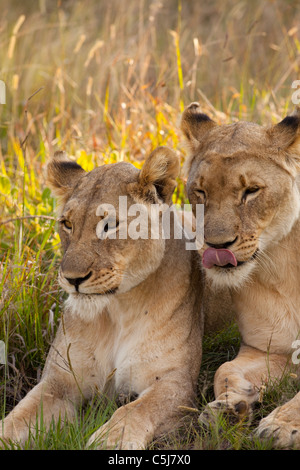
(127, 357)
(135, 361)
(268, 319)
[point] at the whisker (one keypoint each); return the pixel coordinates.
(266, 263)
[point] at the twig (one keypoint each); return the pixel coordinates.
(14, 219)
(188, 408)
(25, 111)
(31, 96)
(226, 394)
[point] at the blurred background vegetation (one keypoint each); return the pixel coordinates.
(107, 80)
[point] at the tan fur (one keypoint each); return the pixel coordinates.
(134, 326)
(262, 229)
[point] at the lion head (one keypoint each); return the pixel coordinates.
(245, 175)
(98, 262)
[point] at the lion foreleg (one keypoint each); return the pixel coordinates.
(135, 425)
(37, 409)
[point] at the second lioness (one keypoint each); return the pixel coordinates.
(246, 176)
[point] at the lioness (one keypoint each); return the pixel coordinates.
(246, 176)
(132, 323)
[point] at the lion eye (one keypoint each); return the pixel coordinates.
(249, 192)
(110, 225)
(67, 224)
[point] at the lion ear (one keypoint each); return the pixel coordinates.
(62, 174)
(286, 136)
(195, 124)
(157, 179)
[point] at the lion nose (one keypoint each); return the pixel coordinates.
(221, 245)
(76, 281)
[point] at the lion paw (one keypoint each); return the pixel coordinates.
(282, 426)
(116, 439)
(236, 411)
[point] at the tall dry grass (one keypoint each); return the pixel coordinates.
(107, 80)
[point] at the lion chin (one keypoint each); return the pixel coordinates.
(233, 277)
(87, 306)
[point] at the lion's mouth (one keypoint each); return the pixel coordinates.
(230, 266)
(107, 292)
(223, 259)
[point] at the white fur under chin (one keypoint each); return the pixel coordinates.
(233, 277)
(87, 307)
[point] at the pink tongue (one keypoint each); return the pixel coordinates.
(220, 257)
